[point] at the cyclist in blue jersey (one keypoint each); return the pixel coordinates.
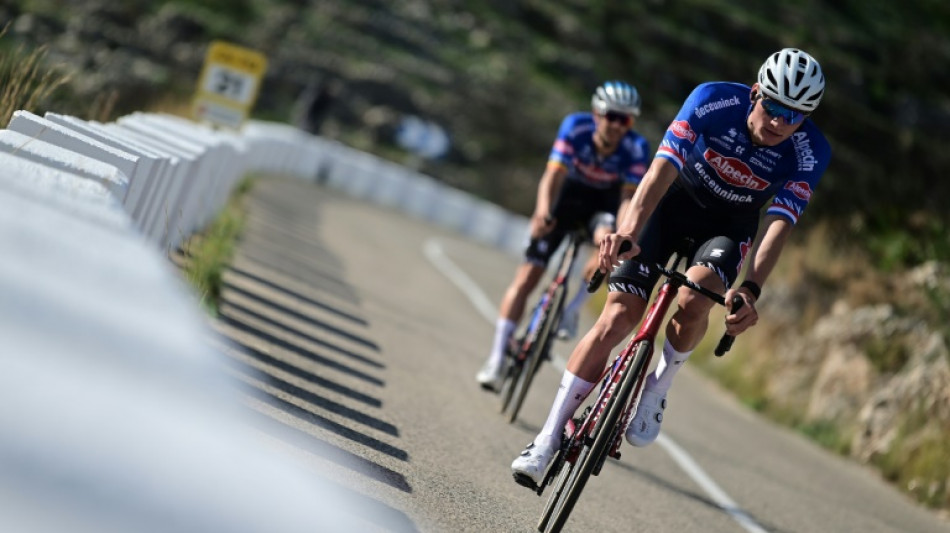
(731, 151)
(595, 164)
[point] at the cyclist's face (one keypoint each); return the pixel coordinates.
(765, 129)
(612, 126)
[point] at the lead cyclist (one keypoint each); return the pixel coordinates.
(732, 151)
(594, 166)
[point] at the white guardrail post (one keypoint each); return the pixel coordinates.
(115, 411)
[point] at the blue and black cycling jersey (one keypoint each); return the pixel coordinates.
(574, 149)
(724, 182)
(708, 141)
(593, 184)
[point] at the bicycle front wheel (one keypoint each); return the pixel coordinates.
(601, 439)
(510, 373)
(540, 347)
(555, 496)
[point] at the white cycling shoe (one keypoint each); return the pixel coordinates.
(567, 329)
(528, 468)
(489, 377)
(645, 426)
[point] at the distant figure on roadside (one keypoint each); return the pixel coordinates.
(594, 168)
(732, 152)
(314, 104)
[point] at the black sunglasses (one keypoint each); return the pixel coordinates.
(623, 118)
(775, 109)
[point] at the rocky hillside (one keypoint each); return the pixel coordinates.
(857, 349)
(868, 380)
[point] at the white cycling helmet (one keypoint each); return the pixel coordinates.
(616, 96)
(793, 78)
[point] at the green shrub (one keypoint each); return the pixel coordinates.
(208, 254)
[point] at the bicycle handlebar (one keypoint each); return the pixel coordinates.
(594, 283)
(599, 275)
(725, 343)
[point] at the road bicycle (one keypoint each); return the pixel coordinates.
(526, 352)
(597, 434)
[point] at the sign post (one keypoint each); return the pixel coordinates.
(229, 83)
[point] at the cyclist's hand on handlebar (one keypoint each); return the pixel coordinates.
(541, 224)
(744, 318)
(610, 255)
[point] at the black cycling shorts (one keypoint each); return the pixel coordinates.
(718, 239)
(577, 206)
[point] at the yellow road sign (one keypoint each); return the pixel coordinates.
(229, 84)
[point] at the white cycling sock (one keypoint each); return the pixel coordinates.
(661, 380)
(579, 300)
(570, 395)
(503, 330)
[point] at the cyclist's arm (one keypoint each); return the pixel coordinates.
(647, 196)
(762, 260)
(766, 252)
(551, 181)
(626, 195)
(635, 213)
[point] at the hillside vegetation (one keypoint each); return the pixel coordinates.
(853, 345)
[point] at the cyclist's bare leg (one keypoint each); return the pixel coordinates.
(568, 328)
(593, 262)
(621, 314)
(512, 307)
(581, 296)
(691, 318)
(685, 329)
(513, 302)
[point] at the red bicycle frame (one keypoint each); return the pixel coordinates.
(649, 329)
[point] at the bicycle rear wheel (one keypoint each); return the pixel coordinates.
(538, 351)
(602, 437)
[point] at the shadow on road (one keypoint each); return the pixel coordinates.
(301, 351)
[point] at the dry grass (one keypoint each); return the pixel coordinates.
(25, 80)
(172, 105)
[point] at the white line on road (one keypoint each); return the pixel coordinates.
(433, 251)
(714, 491)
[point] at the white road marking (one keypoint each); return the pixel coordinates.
(693, 470)
(433, 251)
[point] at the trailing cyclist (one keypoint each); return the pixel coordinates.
(595, 165)
(731, 151)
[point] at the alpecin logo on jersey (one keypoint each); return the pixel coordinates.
(804, 153)
(800, 189)
(681, 129)
(734, 171)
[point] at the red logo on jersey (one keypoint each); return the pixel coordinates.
(734, 171)
(744, 248)
(681, 129)
(800, 189)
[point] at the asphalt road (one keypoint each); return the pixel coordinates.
(358, 332)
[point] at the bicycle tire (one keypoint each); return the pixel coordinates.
(558, 488)
(533, 362)
(603, 437)
(511, 371)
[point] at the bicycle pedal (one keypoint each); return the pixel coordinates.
(525, 481)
